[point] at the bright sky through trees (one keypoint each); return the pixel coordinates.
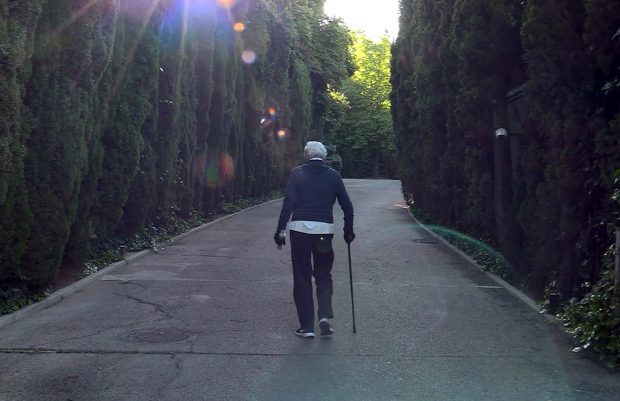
(372, 16)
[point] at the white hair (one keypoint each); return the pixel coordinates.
(315, 149)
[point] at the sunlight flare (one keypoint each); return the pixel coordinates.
(130, 55)
(181, 58)
(248, 56)
(226, 3)
(74, 17)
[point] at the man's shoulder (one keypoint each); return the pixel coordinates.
(295, 172)
(334, 173)
(297, 169)
(331, 173)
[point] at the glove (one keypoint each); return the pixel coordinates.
(279, 239)
(349, 236)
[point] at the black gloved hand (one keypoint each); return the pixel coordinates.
(280, 240)
(349, 236)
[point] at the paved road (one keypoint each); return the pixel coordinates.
(212, 318)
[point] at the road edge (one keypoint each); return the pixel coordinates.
(71, 289)
(513, 290)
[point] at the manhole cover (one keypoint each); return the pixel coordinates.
(424, 241)
(159, 336)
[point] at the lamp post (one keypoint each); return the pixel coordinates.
(503, 192)
(505, 219)
(617, 274)
(501, 133)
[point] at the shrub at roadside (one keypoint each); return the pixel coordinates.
(114, 249)
(592, 322)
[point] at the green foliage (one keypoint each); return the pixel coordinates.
(592, 321)
(58, 96)
(333, 159)
(359, 121)
(101, 22)
(16, 45)
(542, 196)
(301, 96)
(486, 257)
(244, 203)
(150, 237)
(372, 72)
(330, 61)
(120, 116)
(134, 71)
(453, 65)
(15, 298)
(323, 48)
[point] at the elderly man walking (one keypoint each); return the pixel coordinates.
(312, 190)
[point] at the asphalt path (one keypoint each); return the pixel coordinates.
(211, 317)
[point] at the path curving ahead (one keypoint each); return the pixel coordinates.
(212, 318)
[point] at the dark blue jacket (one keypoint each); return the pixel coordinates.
(311, 192)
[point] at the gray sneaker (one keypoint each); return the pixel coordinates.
(304, 333)
(326, 329)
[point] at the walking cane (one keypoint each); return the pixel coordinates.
(351, 285)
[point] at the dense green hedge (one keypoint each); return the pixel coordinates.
(542, 196)
(115, 115)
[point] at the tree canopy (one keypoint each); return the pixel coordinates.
(359, 118)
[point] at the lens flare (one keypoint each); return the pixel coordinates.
(136, 9)
(225, 3)
(220, 170)
(239, 27)
(248, 56)
(227, 168)
(265, 121)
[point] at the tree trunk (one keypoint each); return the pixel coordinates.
(617, 274)
(375, 173)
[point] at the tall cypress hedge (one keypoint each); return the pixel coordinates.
(118, 114)
(542, 196)
(59, 94)
(18, 23)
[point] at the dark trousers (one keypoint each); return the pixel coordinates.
(306, 249)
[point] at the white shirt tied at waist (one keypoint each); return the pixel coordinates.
(311, 227)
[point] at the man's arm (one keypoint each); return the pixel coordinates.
(289, 203)
(347, 207)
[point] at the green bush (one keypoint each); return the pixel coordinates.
(240, 204)
(591, 320)
(15, 298)
(478, 249)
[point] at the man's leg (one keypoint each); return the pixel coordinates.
(301, 248)
(323, 256)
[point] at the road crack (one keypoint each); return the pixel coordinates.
(81, 337)
(159, 308)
